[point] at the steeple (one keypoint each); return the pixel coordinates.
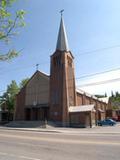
(62, 42)
(62, 80)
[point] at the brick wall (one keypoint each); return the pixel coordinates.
(20, 105)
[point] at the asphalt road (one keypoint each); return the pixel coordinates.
(28, 145)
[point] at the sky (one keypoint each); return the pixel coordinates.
(93, 30)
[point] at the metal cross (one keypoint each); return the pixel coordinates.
(61, 12)
(37, 65)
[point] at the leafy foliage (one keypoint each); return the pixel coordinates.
(101, 96)
(10, 94)
(115, 100)
(9, 23)
(115, 97)
(23, 82)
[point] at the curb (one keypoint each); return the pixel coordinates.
(58, 131)
(33, 130)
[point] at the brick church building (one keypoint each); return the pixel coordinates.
(55, 97)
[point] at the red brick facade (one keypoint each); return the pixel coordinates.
(62, 86)
(100, 106)
(20, 105)
(60, 94)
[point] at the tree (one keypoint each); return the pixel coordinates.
(9, 23)
(115, 100)
(117, 94)
(23, 82)
(9, 95)
(105, 94)
(99, 96)
(112, 94)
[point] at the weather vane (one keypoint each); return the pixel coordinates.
(61, 12)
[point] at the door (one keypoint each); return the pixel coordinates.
(45, 113)
(28, 114)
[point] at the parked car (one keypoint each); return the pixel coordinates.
(117, 119)
(108, 122)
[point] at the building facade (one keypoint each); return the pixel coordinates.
(55, 98)
(32, 102)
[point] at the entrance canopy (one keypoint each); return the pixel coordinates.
(82, 108)
(100, 110)
(37, 106)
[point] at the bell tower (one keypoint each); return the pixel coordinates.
(62, 79)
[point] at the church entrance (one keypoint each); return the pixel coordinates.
(27, 114)
(37, 114)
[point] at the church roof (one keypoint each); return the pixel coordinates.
(104, 99)
(62, 42)
(39, 73)
(82, 108)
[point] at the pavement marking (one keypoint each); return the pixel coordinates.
(28, 144)
(24, 157)
(25, 144)
(1, 153)
(19, 156)
(61, 140)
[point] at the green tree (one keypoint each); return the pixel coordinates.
(115, 100)
(9, 23)
(23, 82)
(117, 94)
(99, 96)
(9, 96)
(105, 94)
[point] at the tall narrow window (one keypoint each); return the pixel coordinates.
(57, 61)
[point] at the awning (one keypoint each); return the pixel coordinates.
(100, 110)
(44, 105)
(82, 108)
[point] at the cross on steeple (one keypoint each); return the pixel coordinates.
(61, 12)
(62, 41)
(37, 65)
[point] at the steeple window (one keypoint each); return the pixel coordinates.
(57, 61)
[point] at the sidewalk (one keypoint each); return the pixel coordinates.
(95, 130)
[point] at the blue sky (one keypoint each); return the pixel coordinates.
(90, 25)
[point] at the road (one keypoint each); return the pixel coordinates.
(29, 145)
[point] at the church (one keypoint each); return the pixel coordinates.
(55, 98)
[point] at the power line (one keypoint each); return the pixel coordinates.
(77, 78)
(84, 85)
(95, 83)
(98, 50)
(94, 74)
(82, 53)
(89, 75)
(100, 83)
(98, 73)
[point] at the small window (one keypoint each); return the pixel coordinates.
(57, 61)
